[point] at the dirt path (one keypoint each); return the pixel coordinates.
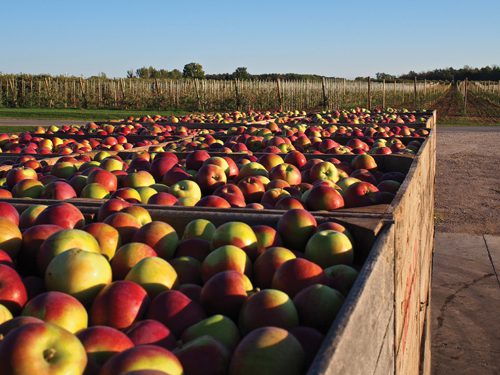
(468, 180)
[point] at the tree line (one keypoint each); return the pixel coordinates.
(195, 70)
(486, 73)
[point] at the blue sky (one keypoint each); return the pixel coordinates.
(334, 38)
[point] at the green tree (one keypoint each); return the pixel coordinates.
(241, 73)
(193, 70)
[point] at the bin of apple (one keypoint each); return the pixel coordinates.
(126, 293)
(269, 181)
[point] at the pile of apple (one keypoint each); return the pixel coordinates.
(27, 143)
(200, 179)
(313, 140)
(124, 294)
(120, 129)
(364, 116)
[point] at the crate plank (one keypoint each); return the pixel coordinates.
(361, 331)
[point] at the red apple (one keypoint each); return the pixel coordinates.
(119, 305)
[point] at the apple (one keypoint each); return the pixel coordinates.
(225, 258)
(295, 227)
(269, 307)
(63, 214)
(5, 259)
(63, 169)
(161, 236)
(28, 189)
(138, 179)
(126, 225)
(310, 339)
(128, 194)
(364, 175)
(286, 172)
(176, 311)
(295, 275)
(267, 263)
(266, 237)
(64, 240)
(238, 234)
(5, 316)
(195, 159)
(140, 213)
(196, 248)
(162, 165)
(360, 194)
(9, 212)
(269, 161)
(119, 305)
(272, 196)
(186, 188)
(203, 355)
(163, 199)
(199, 228)
(16, 175)
(175, 175)
(58, 190)
(43, 348)
(296, 158)
(364, 161)
(225, 292)
(143, 357)
(107, 238)
(129, 255)
(287, 203)
(324, 171)
(328, 248)
(322, 197)
(101, 343)
(79, 273)
(341, 277)
(270, 349)
(252, 169)
(210, 176)
(111, 206)
(318, 305)
(10, 237)
(106, 179)
(154, 274)
(58, 308)
(29, 215)
(149, 331)
(252, 189)
(390, 186)
(188, 269)
(13, 293)
(4, 193)
(344, 183)
(213, 201)
(217, 326)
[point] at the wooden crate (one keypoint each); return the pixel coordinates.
(413, 214)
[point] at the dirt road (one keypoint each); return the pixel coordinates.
(468, 180)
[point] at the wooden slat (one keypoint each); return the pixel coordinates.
(358, 343)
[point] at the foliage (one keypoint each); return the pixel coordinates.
(193, 70)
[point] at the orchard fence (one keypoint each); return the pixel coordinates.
(212, 95)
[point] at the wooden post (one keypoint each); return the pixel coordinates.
(466, 89)
(394, 94)
(280, 96)
(325, 98)
(369, 94)
(383, 94)
(415, 93)
(343, 92)
(198, 99)
(237, 94)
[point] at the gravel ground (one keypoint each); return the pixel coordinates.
(468, 180)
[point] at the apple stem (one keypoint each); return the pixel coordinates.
(49, 354)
